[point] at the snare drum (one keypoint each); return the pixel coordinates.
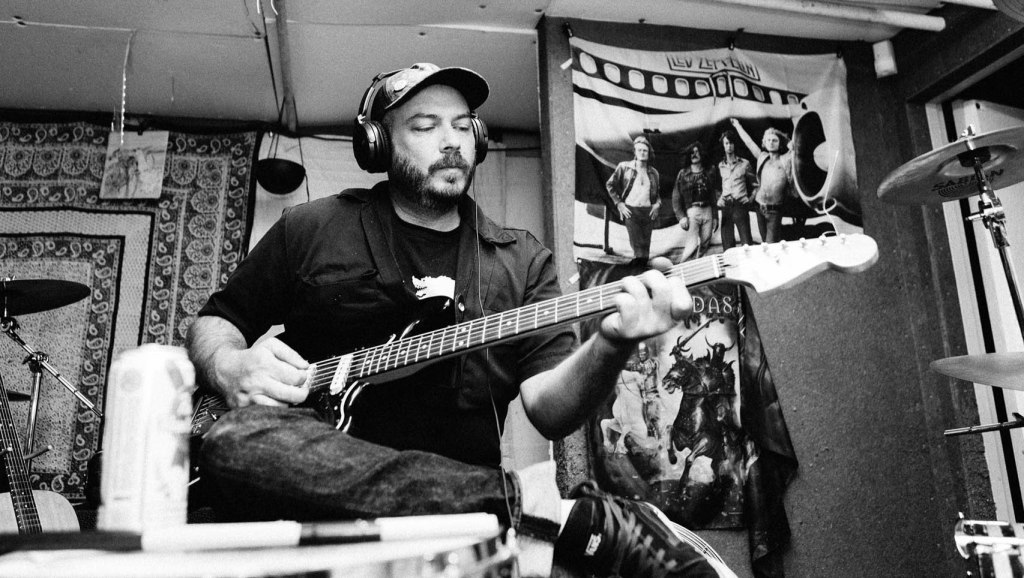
(435, 558)
(489, 558)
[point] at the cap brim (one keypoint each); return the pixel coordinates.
(471, 85)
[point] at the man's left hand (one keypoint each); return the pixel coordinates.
(649, 304)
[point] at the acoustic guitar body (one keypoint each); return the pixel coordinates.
(55, 513)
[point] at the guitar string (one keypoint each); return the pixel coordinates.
(476, 329)
(702, 269)
(371, 361)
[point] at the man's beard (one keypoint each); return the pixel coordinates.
(415, 185)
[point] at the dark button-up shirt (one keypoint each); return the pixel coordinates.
(690, 188)
(327, 272)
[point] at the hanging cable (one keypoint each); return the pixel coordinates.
(119, 119)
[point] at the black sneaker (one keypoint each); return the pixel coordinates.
(606, 535)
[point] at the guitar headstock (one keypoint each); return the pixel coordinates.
(773, 266)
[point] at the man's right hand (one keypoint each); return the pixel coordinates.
(685, 223)
(268, 373)
(624, 211)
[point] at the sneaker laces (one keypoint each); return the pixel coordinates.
(631, 544)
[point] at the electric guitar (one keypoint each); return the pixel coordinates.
(765, 268)
(24, 510)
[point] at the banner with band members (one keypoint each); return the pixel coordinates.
(686, 155)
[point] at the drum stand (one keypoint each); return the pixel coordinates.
(38, 361)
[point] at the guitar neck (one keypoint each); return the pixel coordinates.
(17, 475)
(492, 329)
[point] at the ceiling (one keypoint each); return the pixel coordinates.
(209, 59)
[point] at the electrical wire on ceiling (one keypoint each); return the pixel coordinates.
(119, 119)
(22, 23)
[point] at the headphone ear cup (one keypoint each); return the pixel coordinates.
(480, 136)
(371, 147)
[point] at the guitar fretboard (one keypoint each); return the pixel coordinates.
(491, 329)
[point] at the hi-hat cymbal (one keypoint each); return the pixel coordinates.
(993, 369)
(17, 395)
(23, 296)
(947, 173)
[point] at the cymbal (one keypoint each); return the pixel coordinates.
(23, 296)
(993, 369)
(939, 176)
(17, 395)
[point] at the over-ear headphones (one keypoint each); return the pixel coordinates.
(370, 143)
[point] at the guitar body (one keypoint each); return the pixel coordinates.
(333, 406)
(55, 513)
(24, 510)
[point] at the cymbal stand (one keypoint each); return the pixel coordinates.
(38, 361)
(34, 362)
(1016, 422)
(990, 212)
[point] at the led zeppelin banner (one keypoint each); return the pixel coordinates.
(678, 99)
(685, 155)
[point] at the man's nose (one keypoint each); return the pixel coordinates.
(450, 140)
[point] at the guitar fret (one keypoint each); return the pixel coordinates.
(449, 334)
(391, 353)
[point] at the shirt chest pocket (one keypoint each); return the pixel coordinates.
(355, 309)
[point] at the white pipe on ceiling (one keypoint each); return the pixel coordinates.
(986, 4)
(284, 58)
(895, 18)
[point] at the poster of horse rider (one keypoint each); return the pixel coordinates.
(685, 155)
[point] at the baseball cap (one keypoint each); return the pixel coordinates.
(402, 85)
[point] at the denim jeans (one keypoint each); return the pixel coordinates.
(769, 223)
(639, 227)
(268, 463)
(735, 215)
(702, 227)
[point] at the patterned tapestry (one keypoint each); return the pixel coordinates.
(150, 265)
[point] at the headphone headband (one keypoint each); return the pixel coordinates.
(366, 104)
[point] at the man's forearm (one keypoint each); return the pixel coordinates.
(207, 336)
(558, 400)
